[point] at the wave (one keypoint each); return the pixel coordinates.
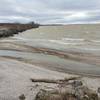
(80, 40)
(97, 41)
(63, 41)
(72, 39)
(46, 41)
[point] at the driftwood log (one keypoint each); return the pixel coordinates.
(53, 81)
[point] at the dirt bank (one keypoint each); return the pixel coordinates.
(7, 29)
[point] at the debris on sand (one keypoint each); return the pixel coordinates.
(73, 91)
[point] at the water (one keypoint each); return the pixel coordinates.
(81, 43)
(61, 37)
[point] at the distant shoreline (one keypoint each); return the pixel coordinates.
(69, 24)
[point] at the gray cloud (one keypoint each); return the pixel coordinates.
(50, 11)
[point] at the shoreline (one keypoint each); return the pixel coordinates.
(29, 80)
(84, 59)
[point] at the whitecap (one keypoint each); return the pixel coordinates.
(73, 39)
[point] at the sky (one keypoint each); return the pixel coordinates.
(50, 11)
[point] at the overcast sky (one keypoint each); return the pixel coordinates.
(50, 11)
